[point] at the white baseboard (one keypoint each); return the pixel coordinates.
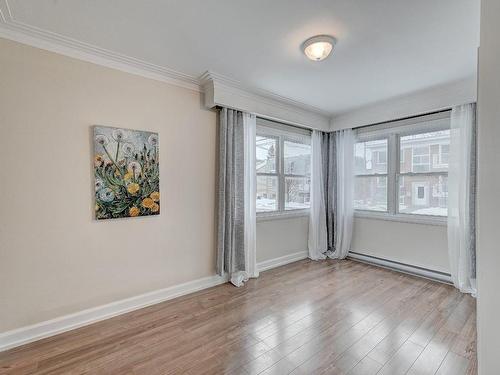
(402, 267)
(25, 335)
(281, 261)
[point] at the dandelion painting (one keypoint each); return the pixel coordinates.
(126, 169)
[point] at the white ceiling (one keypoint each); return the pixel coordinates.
(386, 48)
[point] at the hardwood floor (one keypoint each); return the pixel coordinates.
(330, 317)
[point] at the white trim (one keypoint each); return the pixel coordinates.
(227, 81)
(279, 215)
(404, 268)
(24, 335)
(226, 92)
(48, 328)
(281, 261)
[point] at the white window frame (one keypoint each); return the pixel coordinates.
(282, 133)
(393, 131)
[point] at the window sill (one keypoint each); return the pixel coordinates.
(267, 216)
(403, 218)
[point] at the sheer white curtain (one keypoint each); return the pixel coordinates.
(249, 125)
(317, 241)
(344, 208)
(461, 198)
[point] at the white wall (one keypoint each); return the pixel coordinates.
(488, 228)
(280, 237)
(414, 244)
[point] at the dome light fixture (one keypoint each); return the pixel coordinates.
(318, 47)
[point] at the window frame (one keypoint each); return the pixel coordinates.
(282, 133)
(394, 130)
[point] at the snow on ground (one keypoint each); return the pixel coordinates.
(269, 205)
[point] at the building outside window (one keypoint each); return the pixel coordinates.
(370, 165)
(414, 185)
(426, 182)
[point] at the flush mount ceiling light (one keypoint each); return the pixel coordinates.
(318, 47)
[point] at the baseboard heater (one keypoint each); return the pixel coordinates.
(402, 267)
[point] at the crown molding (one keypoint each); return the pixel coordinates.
(15, 30)
(20, 32)
(226, 92)
(264, 94)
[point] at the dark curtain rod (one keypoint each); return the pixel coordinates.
(355, 127)
(404, 118)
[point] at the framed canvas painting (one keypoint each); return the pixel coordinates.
(127, 173)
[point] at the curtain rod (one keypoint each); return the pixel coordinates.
(285, 123)
(272, 119)
(404, 118)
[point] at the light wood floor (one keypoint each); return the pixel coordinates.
(331, 317)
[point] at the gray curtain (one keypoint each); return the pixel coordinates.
(231, 199)
(330, 181)
(472, 201)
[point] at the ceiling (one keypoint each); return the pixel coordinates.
(386, 48)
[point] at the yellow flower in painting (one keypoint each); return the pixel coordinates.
(133, 188)
(128, 176)
(148, 203)
(98, 160)
(155, 196)
(134, 211)
(155, 208)
(96, 207)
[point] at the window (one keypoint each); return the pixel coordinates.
(370, 191)
(267, 176)
(426, 181)
(401, 168)
(283, 167)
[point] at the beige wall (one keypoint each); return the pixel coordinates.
(414, 244)
(488, 228)
(54, 258)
